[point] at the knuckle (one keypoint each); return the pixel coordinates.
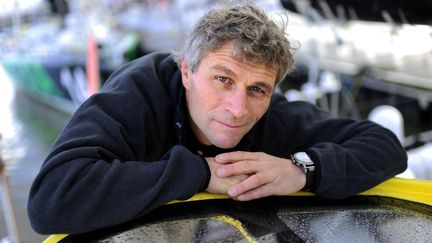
(259, 179)
(248, 165)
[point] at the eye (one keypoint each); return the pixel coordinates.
(257, 90)
(222, 79)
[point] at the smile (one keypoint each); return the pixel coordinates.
(231, 125)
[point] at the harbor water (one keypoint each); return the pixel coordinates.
(27, 130)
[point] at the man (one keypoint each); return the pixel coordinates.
(165, 127)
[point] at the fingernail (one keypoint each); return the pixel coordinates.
(232, 192)
(219, 157)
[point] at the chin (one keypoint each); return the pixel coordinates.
(225, 144)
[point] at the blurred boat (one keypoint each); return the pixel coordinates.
(377, 39)
(398, 210)
(48, 58)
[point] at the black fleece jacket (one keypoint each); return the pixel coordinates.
(129, 149)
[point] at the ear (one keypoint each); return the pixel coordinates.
(185, 72)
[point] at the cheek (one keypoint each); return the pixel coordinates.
(202, 105)
(208, 98)
(257, 109)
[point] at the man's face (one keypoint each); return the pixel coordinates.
(226, 97)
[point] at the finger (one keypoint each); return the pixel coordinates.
(239, 168)
(250, 183)
(262, 191)
(232, 157)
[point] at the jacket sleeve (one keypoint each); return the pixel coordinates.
(351, 156)
(363, 155)
(109, 166)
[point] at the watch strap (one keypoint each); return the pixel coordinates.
(310, 181)
(310, 175)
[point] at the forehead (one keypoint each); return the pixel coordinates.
(225, 59)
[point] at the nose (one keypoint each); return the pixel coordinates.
(237, 103)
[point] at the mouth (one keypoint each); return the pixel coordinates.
(232, 126)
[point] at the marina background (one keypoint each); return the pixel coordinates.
(27, 130)
(28, 127)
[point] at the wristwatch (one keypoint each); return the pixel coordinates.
(302, 160)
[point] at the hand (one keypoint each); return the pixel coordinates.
(267, 175)
(218, 184)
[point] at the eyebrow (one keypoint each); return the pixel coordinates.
(229, 72)
(224, 69)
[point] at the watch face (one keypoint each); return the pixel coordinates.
(303, 158)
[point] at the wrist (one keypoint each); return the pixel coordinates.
(305, 163)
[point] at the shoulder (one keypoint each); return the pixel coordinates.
(150, 69)
(281, 107)
(150, 82)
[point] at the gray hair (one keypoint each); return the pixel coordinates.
(255, 37)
